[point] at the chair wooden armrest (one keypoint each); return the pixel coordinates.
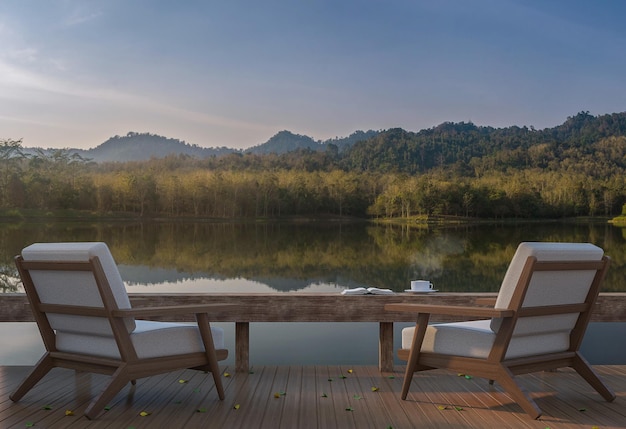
(491, 301)
(481, 312)
(172, 310)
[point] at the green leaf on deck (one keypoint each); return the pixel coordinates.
(30, 424)
(201, 410)
(324, 395)
(349, 409)
(47, 407)
(357, 397)
(391, 377)
(458, 408)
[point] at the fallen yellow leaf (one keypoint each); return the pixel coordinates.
(226, 374)
(350, 371)
(374, 389)
(237, 406)
(276, 395)
(144, 413)
(69, 412)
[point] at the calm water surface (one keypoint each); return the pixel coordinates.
(305, 257)
(311, 257)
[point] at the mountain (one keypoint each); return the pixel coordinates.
(283, 142)
(286, 141)
(467, 147)
(143, 146)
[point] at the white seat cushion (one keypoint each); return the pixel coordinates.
(475, 339)
(151, 339)
(548, 287)
(77, 287)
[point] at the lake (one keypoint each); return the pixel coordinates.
(308, 257)
(206, 257)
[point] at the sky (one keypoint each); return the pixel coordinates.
(233, 73)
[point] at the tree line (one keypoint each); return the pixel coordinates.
(576, 169)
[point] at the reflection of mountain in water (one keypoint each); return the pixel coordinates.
(288, 285)
(135, 275)
(142, 274)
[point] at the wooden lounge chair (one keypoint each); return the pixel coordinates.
(86, 321)
(538, 322)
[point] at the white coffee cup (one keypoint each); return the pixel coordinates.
(421, 285)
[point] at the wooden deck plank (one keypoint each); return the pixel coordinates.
(572, 397)
(61, 390)
(212, 408)
(297, 399)
(247, 402)
(337, 393)
(560, 394)
(354, 397)
(272, 407)
(326, 407)
(421, 411)
(370, 401)
(388, 394)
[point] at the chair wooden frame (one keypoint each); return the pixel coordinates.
(129, 367)
(496, 367)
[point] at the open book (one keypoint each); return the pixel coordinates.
(368, 291)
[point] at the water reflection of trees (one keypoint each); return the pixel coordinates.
(456, 259)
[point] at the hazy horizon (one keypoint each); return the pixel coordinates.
(234, 74)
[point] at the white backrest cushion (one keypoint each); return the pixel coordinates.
(77, 287)
(549, 287)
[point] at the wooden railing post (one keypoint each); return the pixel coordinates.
(385, 347)
(242, 346)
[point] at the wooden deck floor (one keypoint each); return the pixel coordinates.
(313, 397)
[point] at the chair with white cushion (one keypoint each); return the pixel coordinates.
(538, 322)
(83, 312)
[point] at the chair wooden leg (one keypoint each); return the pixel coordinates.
(44, 366)
(119, 379)
(585, 370)
(209, 346)
(414, 353)
(520, 396)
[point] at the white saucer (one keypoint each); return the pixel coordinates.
(421, 291)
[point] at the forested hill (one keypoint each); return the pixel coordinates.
(584, 142)
(286, 141)
(454, 169)
(143, 146)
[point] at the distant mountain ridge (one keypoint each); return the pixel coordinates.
(144, 146)
(392, 149)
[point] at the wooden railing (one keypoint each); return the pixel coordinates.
(297, 307)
